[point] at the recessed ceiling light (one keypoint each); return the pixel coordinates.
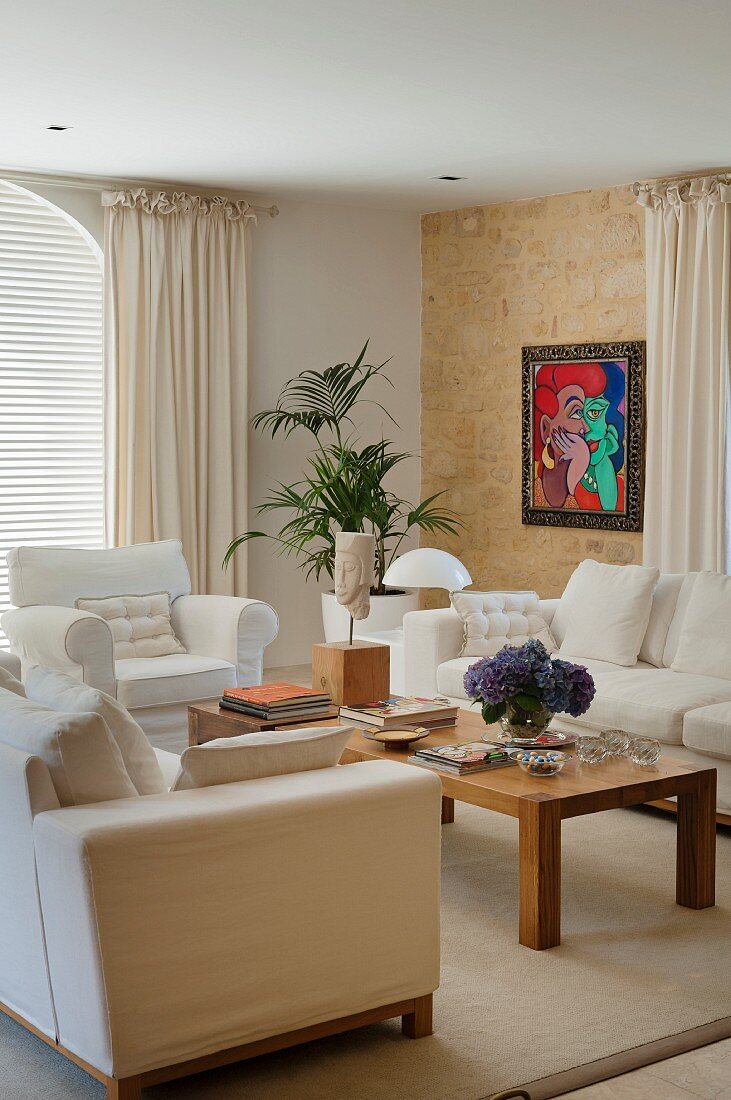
(452, 179)
(58, 127)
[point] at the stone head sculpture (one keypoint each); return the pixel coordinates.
(354, 560)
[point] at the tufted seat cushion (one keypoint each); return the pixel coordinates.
(179, 678)
(496, 619)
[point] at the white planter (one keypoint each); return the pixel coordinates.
(387, 613)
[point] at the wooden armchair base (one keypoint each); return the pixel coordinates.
(416, 1022)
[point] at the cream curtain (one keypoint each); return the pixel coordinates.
(688, 234)
(175, 357)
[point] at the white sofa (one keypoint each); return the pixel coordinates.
(225, 636)
(689, 714)
(151, 937)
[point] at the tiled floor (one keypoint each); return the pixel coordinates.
(704, 1073)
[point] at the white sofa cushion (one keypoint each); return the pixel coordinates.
(605, 609)
(10, 682)
(450, 674)
(140, 625)
(258, 755)
(676, 625)
(57, 575)
(707, 730)
(704, 646)
(180, 678)
(496, 619)
(80, 753)
(652, 702)
(664, 604)
(60, 692)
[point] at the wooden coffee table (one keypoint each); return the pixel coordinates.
(540, 805)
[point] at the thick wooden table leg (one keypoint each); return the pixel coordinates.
(128, 1088)
(540, 873)
(417, 1024)
(447, 810)
(695, 881)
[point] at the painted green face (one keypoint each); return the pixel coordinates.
(595, 415)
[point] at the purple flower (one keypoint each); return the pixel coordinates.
(528, 669)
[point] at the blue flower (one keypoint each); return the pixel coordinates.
(560, 685)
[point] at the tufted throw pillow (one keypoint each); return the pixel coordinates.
(496, 619)
(140, 625)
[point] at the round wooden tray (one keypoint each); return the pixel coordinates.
(395, 739)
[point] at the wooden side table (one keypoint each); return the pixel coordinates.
(207, 721)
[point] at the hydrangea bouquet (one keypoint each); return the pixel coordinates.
(522, 686)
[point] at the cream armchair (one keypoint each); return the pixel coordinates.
(225, 636)
(157, 936)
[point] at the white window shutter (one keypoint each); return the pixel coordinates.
(51, 416)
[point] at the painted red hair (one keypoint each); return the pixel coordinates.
(554, 377)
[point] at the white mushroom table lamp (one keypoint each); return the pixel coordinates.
(428, 567)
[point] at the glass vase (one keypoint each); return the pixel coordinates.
(524, 725)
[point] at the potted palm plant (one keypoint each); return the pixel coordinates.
(344, 487)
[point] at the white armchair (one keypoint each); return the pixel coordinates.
(145, 939)
(225, 636)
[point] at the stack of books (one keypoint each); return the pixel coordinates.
(399, 710)
(278, 702)
(463, 759)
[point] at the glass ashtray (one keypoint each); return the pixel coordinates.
(644, 751)
(591, 749)
(617, 742)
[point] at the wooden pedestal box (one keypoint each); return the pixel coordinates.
(357, 673)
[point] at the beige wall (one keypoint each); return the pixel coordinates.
(322, 280)
(562, 269)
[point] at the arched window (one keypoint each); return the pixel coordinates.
(51, 415)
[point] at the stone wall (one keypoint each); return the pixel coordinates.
(562, 269)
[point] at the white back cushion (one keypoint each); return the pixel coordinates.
(704, 646)
(664, 603)
(63, 693)
(496, 619)
(606, 609)
(257, 755)
(80, 753)
(140, 625)
(676, 625)
(55, 575)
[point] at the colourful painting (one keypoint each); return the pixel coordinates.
(583, 433)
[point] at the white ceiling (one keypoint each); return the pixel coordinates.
(365, 100)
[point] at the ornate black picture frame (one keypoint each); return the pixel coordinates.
(583, 435)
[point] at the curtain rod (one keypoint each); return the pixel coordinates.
(700, 173)
(100, 183)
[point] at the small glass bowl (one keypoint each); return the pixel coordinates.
(591, 749)
(617, 742)
(644, 751)
(540, 764)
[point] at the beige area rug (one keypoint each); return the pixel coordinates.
(633, 969)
